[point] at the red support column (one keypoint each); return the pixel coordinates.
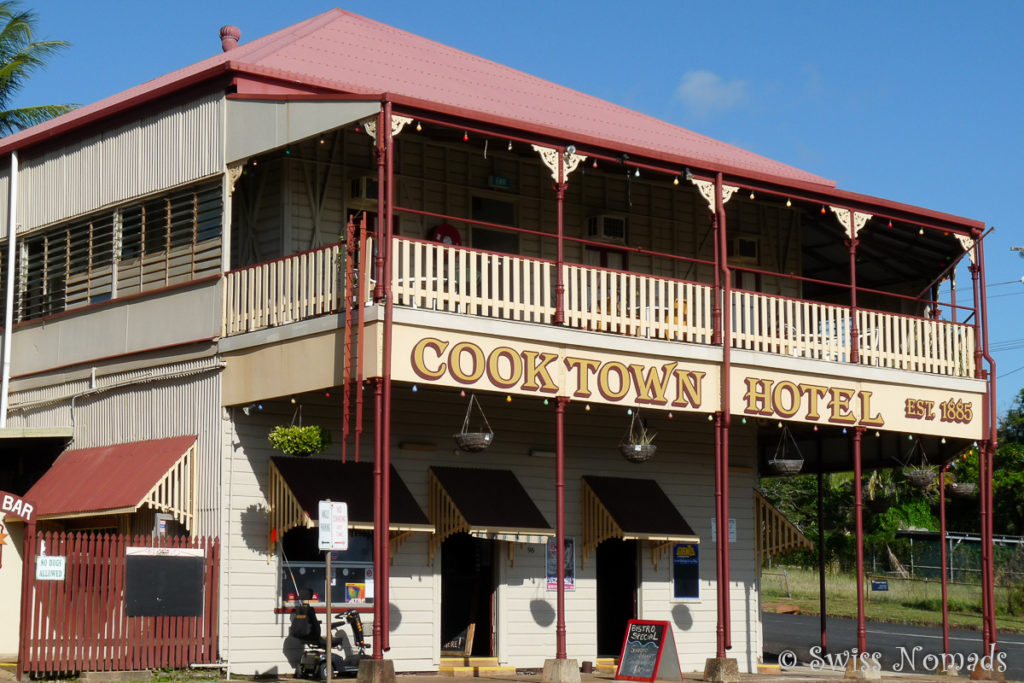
(384, 569)
(977, 321)
(854, 331)
(380, 539)
(719, 562)
(378, 150)
(723, 531)
(560, 186)
(822, 598)
(716, 308)
(560, 404)
(858, 507)
(943, 560)
(988, 570)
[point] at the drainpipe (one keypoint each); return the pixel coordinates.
(723, 529)
(12, 234)
(560, 522)
(560, 258)
(716, 309)
(992, 441)
(858, 507)
(977, 320)
(854, 332)
(389, 320)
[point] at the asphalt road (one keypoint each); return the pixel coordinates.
(915, 648)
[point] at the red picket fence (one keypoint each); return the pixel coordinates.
(80, 623)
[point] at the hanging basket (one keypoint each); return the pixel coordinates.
(298, 440)
(637, 452)
(638, 444)
(962, 489)
(919, 477)
(474, 441)
(786, 460)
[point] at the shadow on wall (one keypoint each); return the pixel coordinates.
(682, 618)
(542, 611)
(254, 528)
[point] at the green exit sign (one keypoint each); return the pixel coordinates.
(499, 182)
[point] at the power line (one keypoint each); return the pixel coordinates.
(1006, 374)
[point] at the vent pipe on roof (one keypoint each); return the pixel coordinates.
(229, 36)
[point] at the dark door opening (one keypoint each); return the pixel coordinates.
(467, 590)
(616, 593)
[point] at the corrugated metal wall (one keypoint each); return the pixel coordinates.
(176, 146)
(152, 403)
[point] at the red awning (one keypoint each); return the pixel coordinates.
(120, 479)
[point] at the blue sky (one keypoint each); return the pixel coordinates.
(912, 101)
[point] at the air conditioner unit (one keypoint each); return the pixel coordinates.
(363, 190)
(607, 228)
(744, 249)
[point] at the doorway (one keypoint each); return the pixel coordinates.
(467, 590)
(616, 593)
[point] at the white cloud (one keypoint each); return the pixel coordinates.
(704, 92)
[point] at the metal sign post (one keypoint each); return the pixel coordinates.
(333, 523)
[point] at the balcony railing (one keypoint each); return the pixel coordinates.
(479, 283)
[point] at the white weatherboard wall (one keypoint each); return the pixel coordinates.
(10, 588)
(254, 636)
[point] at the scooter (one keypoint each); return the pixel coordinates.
(313, 663)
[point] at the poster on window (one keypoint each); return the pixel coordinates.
(551, 562)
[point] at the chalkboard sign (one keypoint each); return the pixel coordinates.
(164, 582)
(649, 653)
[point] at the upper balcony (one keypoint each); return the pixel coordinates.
(474, 282)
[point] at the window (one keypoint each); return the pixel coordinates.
(686, 570)
(501, 213)
(138, 246)
(303, 569)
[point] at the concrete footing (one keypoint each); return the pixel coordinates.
(376, 671)
(864, 670)
(560, 671)
(721, 670)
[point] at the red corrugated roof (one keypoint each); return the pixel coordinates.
(343, 52)
(105, 478)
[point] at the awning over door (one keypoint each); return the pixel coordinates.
(297, 485)
(483, 503)
(630, 509)
(120, 479)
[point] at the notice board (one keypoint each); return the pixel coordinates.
(649, 653)
(163, 582)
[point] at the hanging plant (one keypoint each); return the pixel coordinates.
(480, 438)
(295, 439)
(787, 459)
(962, 489)
(638, 443)
(916, 469)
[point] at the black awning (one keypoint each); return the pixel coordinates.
(639, 509)
(492, 502)
(310, 480)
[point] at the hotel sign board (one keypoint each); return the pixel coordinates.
(847, 402)
(524, 367)
(545, 370)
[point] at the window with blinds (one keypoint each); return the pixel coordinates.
(125, 250)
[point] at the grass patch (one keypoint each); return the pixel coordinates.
(908, 601)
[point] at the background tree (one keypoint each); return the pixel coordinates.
(20, 56)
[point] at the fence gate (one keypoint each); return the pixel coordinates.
(86, 621)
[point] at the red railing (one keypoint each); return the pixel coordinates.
(80, 623)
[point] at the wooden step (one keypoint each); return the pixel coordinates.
(481, 661)
(495, 670)
(457, 671)
(606, 665)
(454, 661)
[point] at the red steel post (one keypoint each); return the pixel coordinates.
(988, 570)
(378, 150)
(858, 507)
(720, 628)
(723, 531)
(378, 400)
(822, 598)
(943, 560)
(560, 523)
(384, 570)
(560, 259)
(854, 327)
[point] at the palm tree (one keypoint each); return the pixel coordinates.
(20, 55)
